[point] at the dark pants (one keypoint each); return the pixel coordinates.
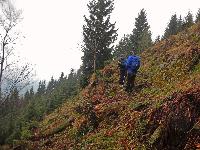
(130, 82)
(122, 76)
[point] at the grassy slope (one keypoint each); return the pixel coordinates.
(103, 116)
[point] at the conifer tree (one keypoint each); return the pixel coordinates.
(157, 39)
(31, 112)
(61, 78)
(180, 24)
(27, 96)
(72, 86)
(14, 102)
(98, 35)
(41, 88)
(31, 92)
(14, 95)
(172, 27)
(188, 22)
(197, 16)
(51, 85)
(123, 47)
(141, 34)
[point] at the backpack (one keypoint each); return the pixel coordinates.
(133, 64)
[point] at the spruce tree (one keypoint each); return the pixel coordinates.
(157, 39)
(172, 27)
(98, 35)
(61, 78)
(180, 24)
(31, 92)
(41, 88)
(14, 96)
(27, 96)
(51, 85)
(72, 86)
(141, 34)
(188, 22)
(197, 16)
(123, 47)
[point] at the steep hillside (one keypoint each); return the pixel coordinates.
(163, 112)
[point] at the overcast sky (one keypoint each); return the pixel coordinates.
(53, 28)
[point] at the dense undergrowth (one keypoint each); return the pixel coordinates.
(163, 112)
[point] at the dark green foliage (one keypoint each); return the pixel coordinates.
(175, 25)
(157, 39)
(84, 78)
(27, 96)
(180, 24)
(51, 85)
(31, 113)
(31, 92)
(188, 22)
(9, 118)
(123, 47)
(172, 27)
(41, 88)
(72, 83)
(14, 94)
(141, 34)
(19, 116)
(140, 37)
(64, 88)
(98, 35)
(197, 16)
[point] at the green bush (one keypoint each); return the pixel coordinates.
(25, 133)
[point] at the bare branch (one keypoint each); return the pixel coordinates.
(11, 75)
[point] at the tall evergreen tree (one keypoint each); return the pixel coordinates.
(188, 22)
(14, 94)
(157, 39)
(41, 88)
(61, 78)
(31, 92)
(197, 16)
(72, 86)
(123, 47)
(98, 35)
(172, 27)
(27, 96)
(180, 24)
(51, 85)
(141, 36)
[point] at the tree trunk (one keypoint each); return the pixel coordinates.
(95, 49)
(1, 68)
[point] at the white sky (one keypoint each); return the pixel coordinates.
(53, 29)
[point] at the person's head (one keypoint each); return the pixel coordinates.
(133, 51)
(121, 57)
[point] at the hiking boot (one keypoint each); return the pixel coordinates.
(122, 86)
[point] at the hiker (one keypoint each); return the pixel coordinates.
(122, 68)
(132, 65)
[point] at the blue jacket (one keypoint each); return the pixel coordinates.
(132, 64)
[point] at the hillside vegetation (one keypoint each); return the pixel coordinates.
(163, 112)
